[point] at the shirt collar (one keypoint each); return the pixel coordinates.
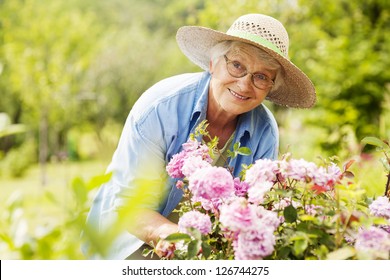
(200, 107)
(245, 125)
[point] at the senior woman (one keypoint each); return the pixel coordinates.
(243, 67)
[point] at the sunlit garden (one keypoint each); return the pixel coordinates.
(70, 72)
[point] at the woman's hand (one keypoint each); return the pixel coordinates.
(165, 249)
(152, 228)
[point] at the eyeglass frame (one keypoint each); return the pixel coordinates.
(270, 82)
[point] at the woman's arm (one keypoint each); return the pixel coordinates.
(150, 226)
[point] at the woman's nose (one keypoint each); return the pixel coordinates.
(245, 82)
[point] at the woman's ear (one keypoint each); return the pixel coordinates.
(211, 67)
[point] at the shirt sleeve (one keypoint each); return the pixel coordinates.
(138, 170)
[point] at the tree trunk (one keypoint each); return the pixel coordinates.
(43, 146)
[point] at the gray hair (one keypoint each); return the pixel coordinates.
(222, 48)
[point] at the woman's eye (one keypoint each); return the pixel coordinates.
(260, 77)
(237, 65)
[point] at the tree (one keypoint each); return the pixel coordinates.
(47, 47)
(345, 46)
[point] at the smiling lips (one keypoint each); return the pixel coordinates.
(235, 94)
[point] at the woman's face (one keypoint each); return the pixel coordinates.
(238, 95)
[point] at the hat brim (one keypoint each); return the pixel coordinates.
(297, 91)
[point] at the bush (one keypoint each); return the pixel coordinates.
(276, 209)
(18, 160)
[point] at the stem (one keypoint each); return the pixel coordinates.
(218, 150)
(338, 235)
(187, 196)
(229, 250)
(387, 190)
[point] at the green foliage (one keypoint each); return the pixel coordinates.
(6, 128)
(203, 134)
(290, 214)
(46, 49)
(344, 49)
(59, 237)
(75, 62)
(238, 150)
(319, 212)
(317, 224)
(86, 62)
(382, 145)
(19, 159)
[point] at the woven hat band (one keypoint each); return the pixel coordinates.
(255, 38)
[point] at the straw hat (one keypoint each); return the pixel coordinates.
(263, 32)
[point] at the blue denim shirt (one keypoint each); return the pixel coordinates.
(159, 123)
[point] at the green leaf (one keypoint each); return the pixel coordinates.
(147, 251)
(231, 154)
(300, 246)
(307, 218)
(193, 248)
(283, 252)
(79, 190)
(245, 151)
(195, 233)
(342, 254)
(52, 198)
(206, 249)
(385, 163)
(290, 214)
(375, 142)
(176, 237)
(97, 181)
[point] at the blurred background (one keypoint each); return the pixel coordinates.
(70, 71)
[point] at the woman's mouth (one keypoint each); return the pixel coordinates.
(235, 94)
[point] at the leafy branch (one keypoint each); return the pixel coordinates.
(212, 143)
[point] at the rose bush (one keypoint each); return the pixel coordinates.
(277, 209)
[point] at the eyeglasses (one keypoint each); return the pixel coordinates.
(237, 70)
